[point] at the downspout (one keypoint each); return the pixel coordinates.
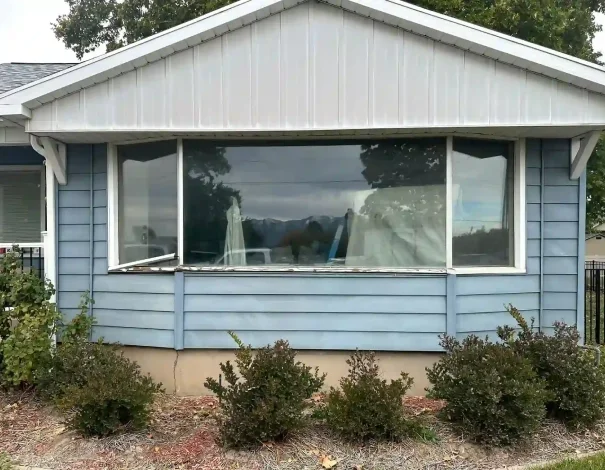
(91, 234)
(541, 311)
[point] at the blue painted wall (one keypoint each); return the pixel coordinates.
(380, 312)
(19, 155)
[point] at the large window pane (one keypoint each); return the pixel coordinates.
(375, 204)
(21, 206)
(483, 209)
(147, 191)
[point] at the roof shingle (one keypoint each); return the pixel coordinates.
(14, 75)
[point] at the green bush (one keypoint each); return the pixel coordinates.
(27, 320)
(366, 406)
(575, 383)
(492, 394)
(108, 395)
(268, 402)
(5, 462)
(72, 358)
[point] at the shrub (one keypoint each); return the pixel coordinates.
(269, 400)
(5, 462)
(492, 393)
(575, 383)
(27, 320)
(72, 357)
(108, 395)
(366, 406)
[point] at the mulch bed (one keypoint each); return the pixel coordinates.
(183, 435)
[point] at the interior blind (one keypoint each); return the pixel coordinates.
(20, 207)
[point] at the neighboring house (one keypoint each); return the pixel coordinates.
(595, 244)
(22, 174)
(340, 174)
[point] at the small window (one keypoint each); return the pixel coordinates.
(147, 201)
(483, 203)
(21, 206)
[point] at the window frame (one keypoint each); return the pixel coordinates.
(42, 170)
(519, 227)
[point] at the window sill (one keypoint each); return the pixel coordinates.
(316, 270)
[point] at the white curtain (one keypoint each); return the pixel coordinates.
(398, 227)
(235, 249)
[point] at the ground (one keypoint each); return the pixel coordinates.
(183, 436)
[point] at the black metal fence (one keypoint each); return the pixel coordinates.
(594, 302)
(32, 258)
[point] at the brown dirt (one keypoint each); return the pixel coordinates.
(183, 435)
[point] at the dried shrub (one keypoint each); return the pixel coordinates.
(576, 384)
(493, 395)
(268, 401)
(109, 393)
(367, 406)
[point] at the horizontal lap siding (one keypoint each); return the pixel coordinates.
(130, 309)
(481, 300)
(316, 311)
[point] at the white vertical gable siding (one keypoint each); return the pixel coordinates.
(317, 66)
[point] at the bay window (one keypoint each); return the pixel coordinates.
(392, 204)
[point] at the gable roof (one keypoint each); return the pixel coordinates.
(16, 74)
(409, 17)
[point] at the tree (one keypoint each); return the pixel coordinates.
(567, 26)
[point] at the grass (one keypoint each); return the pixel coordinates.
(5, 463)
(596, 462)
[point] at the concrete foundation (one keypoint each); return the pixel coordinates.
(184, 372)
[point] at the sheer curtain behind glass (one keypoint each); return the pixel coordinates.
(483, 208)
(366, 203)
(20, 206)
(147, 200)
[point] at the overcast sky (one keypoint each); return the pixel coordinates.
(26, 35)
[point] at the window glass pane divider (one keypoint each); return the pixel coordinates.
(180, 205)
(449, 202)
(520, 204)
(112, 206)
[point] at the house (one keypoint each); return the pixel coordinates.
(341, 174)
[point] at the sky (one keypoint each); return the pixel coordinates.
(26, 35)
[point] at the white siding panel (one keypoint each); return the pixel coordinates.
(354, 70)
(325, 48)
(445, 96)
(477, 79)
(96, 111)
(318, 66)
(123, 100)
(208, 79)
(180, 89)
(151, 81)
(538, 98)
(415, 73)
(507, 94)
(565, 105)
(237, 78)
(294, 76)
(265, 72)
(387, 57)
(68, 112)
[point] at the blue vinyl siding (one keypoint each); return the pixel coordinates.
(318, 311)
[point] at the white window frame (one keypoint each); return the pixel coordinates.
(42, 170)
(519, 227)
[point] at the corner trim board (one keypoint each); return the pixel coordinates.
(580, 319)
(179, 311)
(451, 305)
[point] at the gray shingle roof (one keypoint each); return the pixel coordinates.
(14, 75)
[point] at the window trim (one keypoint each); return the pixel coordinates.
(519, 228)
